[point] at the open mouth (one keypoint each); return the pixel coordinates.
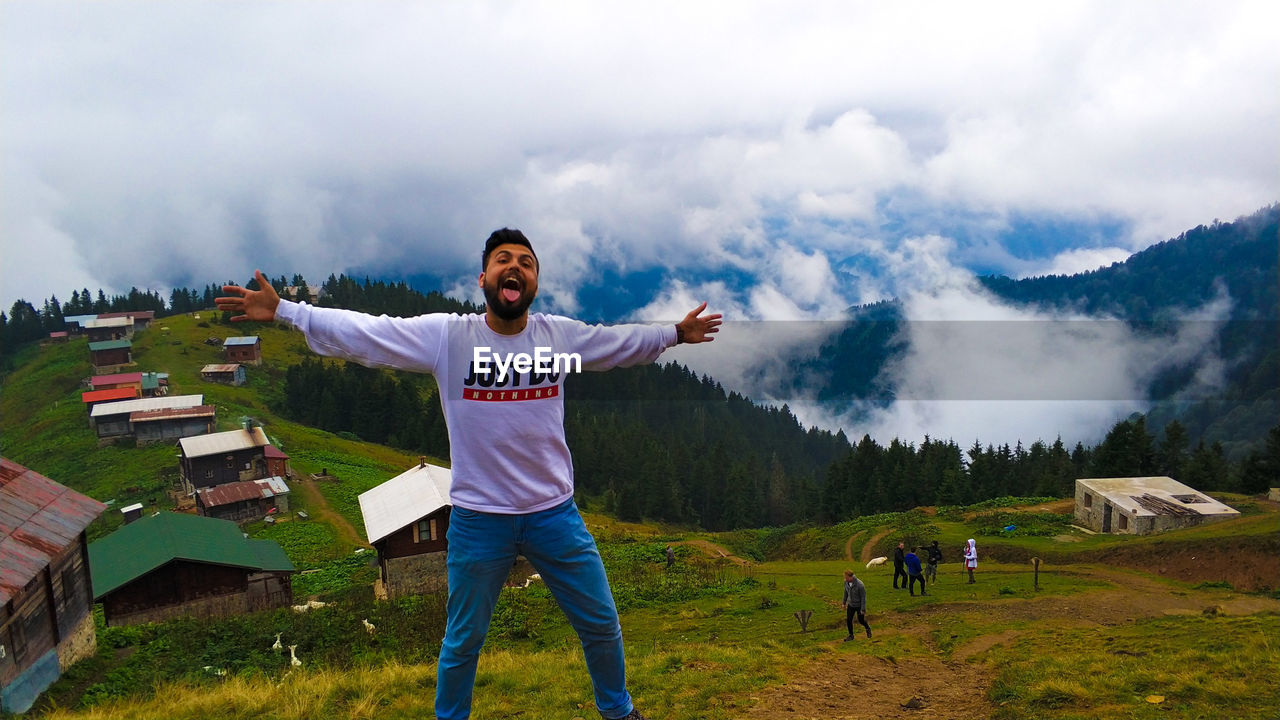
(510, 289)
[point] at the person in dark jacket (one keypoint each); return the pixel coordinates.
(899, 570)
(931, 562)
(914, 571)
(854, 603)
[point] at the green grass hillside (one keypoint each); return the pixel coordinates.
(1171, 626)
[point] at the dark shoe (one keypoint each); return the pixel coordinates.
(868, 632)
(633, 715)
(848, 639)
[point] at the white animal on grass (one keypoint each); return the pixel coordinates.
(368, 626)
(309, 605)
(293, 657)
(877, 561)
(277, 646)
(530, 579)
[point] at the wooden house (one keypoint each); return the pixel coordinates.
(113, 381)
(58, 336)
(218, 458)
(277, 462)
(138, 319)
(247, 500)
(150, 426)
(101, 329)
(246, 350)
(172, 564)
(45, 594)
(226, 373)
(114, 419)
(109, 354)
(1144, 505)
(406, 519)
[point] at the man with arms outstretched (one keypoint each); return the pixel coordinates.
(512, 491)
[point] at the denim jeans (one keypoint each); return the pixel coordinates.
(482, 549)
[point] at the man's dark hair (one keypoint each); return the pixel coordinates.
(505, 236)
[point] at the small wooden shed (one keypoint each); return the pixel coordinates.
(407, 518)
(225, 373)
(108, 354)
(246, 349)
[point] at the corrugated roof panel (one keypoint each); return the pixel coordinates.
(230, 493)
(167, 402)
(111, 395)
(115, 379)
(220, 368)
(102, 321)
(405, 499)
(109, 345)
(245, 340)
(229, 441)
(39, 518)
(172, 413)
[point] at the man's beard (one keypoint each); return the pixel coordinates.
(493, 300)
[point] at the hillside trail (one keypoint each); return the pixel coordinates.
(318, 506)
(714, 551)
(849, 684)
(848, 545)
(869, 546)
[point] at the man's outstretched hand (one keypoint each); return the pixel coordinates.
(695, 329)
(259, 305)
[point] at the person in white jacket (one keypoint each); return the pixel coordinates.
(501, 375)
(971, 558)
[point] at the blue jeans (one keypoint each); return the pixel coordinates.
(482, 549)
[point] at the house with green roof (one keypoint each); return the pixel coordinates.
(173, 564)
(108, 355)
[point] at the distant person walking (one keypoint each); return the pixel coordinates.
(671, 557)
(914, 572)
(934, 556)
(899, 568)
(854, 603)
(971, 558)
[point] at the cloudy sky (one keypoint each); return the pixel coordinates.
(784, 160)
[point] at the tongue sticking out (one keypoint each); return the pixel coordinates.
(510, 294)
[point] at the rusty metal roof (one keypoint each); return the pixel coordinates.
(38, 519)
(272, 452)
(172, 413)
(220, 368)
(235, 492)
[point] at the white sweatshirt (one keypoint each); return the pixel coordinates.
(506, 437)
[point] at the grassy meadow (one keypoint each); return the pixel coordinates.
(715, 637)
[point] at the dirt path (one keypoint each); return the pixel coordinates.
(852, 686)
(713, 550)
(869, 546)
(318, 507)
(848, 546)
